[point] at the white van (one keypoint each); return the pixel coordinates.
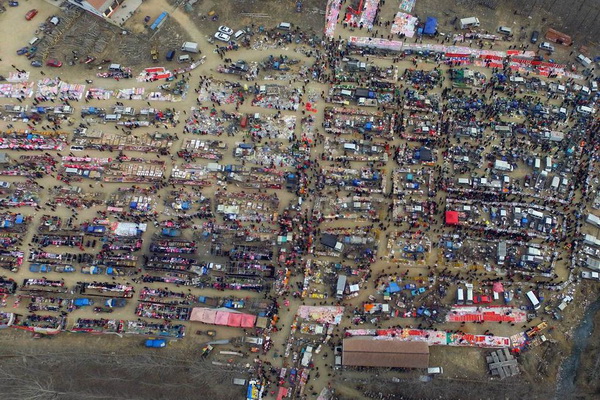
(534, 300)
(583, 60)
(505, 30)
(546, 46)
(469, 22)
(286, 26)
(183, 58)
(239, 34)
(460, 296)
(594, 86)
(464, 181)
(34, 40)
(112, 117)
(435, 370)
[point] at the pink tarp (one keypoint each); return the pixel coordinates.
(205, 315)
(222, 317)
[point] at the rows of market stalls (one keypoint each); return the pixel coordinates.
(236, 239)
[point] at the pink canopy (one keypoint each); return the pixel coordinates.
(205, 315)
(498, 287)
(222, 317)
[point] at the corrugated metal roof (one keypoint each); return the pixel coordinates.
(370, 352)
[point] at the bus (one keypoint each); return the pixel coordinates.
(533, 299)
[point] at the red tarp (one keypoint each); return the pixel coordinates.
(248, 320)
(498, 287)
(281, 393)
(234, 320)
(558, 37)
(451, 217)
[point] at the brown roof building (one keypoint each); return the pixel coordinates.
(371, 352)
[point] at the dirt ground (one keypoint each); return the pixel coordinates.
(133, 50)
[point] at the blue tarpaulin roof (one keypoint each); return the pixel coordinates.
(393, 288)
(430, 26)
(19, 219)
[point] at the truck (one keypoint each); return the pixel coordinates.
(366, 102)
(92, 270)
(64, 268)
(341, 286)
(469, 294)
(190, 47)
(590, 275)
(115, 303)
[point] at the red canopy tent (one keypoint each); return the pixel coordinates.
(451, 217)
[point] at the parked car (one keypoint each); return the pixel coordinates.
(30, 14)
(4, 184)
(40, 268)
(482, 299)
(13, 3)
(546, 46)
(226, 30)
(22, 51)
(534, 37)
(54, 63)
(222, 37)
(36, 63)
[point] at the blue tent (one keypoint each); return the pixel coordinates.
(19, 219)
(369, 126)
(185, 205)
(393, 288)
(430, 26)
(133, 205)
